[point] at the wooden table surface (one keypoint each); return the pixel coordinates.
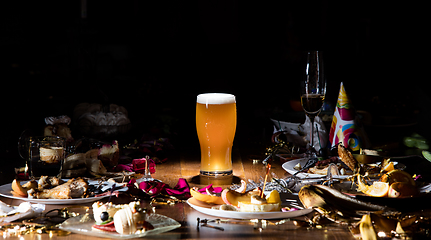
(187, 166)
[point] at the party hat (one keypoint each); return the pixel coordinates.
(345, 127)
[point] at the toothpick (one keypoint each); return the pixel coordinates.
(268, 167)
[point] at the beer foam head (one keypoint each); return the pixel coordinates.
(215, 98)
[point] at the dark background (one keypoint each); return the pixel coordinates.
(154, 57)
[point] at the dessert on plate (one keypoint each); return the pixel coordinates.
(240, 200)
(123, 218)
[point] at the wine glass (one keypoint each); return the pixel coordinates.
(147, 172)
(24, 153)
(313, 90)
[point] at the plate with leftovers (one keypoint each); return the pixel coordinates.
(211, 209)
(293, 166)
(83, 224)
(51, 196)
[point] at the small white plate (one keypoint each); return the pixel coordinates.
(5, 191)
(289, 167)
(83, 225)
(207, 209)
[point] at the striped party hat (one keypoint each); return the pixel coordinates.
(345, 127)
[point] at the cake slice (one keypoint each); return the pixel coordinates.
(258, 204)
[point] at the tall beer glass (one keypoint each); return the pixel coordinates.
(216, 126)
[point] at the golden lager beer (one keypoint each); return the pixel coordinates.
(216, 126)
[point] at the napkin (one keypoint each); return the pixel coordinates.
(23, 211)
(299, 134)
(155, 187)
(346, 127)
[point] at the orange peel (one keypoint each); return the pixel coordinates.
(378, 189)
(388, 167)
(232, 197)
(18, 189)
(402, 189)
(397, 176)
(211, 199)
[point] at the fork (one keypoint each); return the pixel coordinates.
(310, 163)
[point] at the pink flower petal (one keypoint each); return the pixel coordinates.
(124, 167)
(211, 189)
(138, 165)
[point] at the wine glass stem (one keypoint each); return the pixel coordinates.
(311, 149)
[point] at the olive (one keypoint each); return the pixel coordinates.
(104, 216)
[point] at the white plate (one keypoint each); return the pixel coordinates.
(83, 225)
(5, 191)
(289, 167)
(206, 209)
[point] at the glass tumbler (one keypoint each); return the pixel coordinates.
(216, 126)
(46, 156)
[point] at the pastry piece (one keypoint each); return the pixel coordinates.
(103, 212)
(95, 166)
(130, 218)
(124, 219)
(347, 157)
(258, 204)
(109, 154)
(265, 207)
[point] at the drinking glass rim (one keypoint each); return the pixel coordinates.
(46, 138)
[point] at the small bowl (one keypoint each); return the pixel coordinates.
(367, 159)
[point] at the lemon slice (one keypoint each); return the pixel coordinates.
(273, 197)
(389, 167)
(378, 189)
